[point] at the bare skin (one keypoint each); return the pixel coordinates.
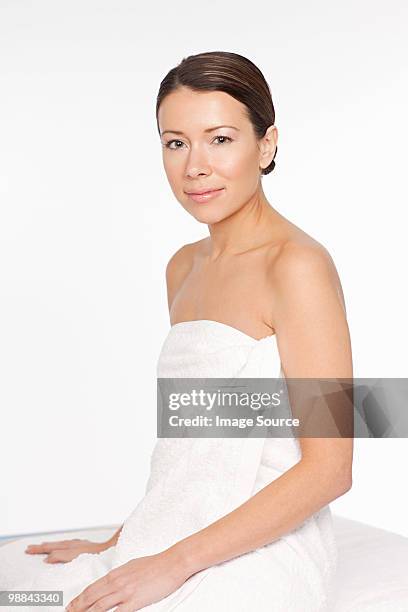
(260, 273)
(237, 289)
(63, 551)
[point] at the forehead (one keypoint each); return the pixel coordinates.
(185, 110)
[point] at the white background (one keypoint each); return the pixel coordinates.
(88, 223)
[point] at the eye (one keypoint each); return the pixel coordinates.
(168, 144)
(225, 138)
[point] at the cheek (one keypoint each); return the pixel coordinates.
(236, 162)
(175, 173)
(170, 165)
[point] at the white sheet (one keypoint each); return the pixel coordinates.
(372, 570)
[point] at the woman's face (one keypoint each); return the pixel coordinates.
(198, 157)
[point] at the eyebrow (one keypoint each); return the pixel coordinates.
(217, 127)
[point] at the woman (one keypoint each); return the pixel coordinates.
(233, 524)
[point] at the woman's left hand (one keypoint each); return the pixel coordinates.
(132, 586)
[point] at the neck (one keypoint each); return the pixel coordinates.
(253, 224)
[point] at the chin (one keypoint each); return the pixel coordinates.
(209, 216)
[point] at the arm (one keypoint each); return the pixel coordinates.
(312, 332)
(313, 339)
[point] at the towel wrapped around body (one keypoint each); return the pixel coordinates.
(192, 483)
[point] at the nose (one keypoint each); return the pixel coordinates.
(197, 164)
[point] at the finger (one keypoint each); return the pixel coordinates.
(106, 603)
(51, 558)
(46, 547)
(128, 607)
(41, 548)
(89, 596)
(60, 556)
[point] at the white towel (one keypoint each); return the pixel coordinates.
(195, 481)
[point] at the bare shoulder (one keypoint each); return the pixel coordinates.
(179, 265)
(303, 261)
(309, 314)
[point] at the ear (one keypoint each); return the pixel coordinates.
(267, 146)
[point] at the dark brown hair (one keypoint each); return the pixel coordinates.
(229, 72)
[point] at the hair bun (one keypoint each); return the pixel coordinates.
(269, 168)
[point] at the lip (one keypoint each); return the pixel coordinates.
(201, 191)
(204, 196)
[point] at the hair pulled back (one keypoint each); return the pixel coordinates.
(229, 72)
